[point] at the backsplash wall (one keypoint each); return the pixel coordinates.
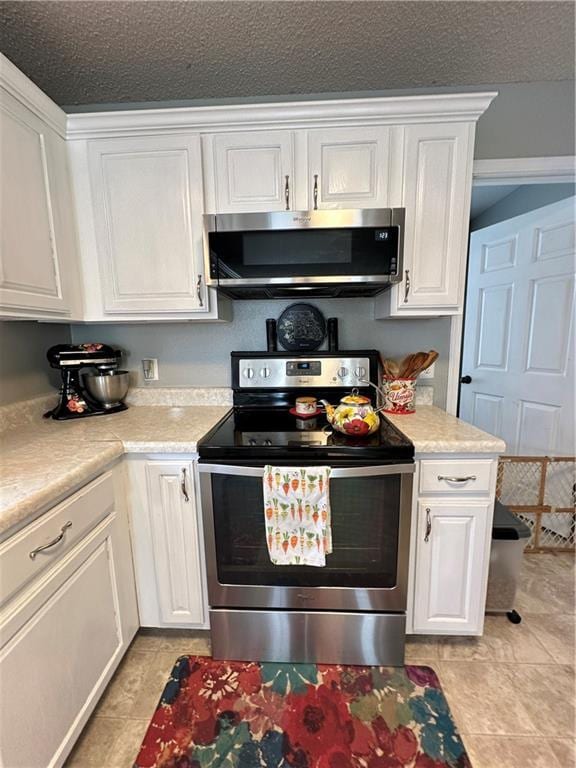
(198, 354)
(25, 370)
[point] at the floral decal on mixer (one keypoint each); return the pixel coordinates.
(75, 404)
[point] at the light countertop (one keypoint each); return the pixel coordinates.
(44, 460)
(432, 430)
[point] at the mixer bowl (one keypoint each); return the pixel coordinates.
(108, 388)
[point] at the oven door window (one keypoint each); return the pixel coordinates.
(365, 525)
(308, 253)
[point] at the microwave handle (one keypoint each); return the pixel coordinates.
(337, 473)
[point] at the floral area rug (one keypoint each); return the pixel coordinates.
(226, 714)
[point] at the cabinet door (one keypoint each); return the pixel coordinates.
(147, 196)
(452, 556)
(437, 188)
(57, 662)
(349, 167)
(175, 542)
(36, 239)
(253, 171)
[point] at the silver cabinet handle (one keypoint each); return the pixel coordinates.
(52, 543)
(428, 525)
(456, 479)
(183, 485)
(199, 290)
(315, 192)
(407, 285)
(287, 192)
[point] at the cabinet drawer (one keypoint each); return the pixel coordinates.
(67, 643)
(458, 476)
(64, 525)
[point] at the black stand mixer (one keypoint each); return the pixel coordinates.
(97, 392)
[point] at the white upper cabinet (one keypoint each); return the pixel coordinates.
(147, 198)
(127, 243)
(437, 178)
(349, 167)
(252, 171)
(293, 170)
(37, 230)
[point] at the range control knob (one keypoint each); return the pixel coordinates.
(342, 372)
(248, 373)
(360, 372)
(267, 442)
(265, 372)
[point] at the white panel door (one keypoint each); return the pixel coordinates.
(437, 183)
(176, 542)
(254, 171)
(59, 657)
(453, 544)
(31, 238)
(349, 167)
(519, 331)
(148, 216)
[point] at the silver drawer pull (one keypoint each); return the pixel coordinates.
(428, 525)
(52, 543)
(456, 479)
(183, 485)
(199, 290)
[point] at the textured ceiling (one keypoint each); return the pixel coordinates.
(87, 52)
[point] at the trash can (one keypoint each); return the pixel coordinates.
(509, 537)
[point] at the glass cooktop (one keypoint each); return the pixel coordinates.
(268, 434)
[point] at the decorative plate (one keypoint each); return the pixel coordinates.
(301, 328)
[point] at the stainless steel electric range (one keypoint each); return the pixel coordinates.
(353, 610)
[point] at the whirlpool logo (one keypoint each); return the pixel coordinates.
(302, 219)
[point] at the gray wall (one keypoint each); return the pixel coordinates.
(524, 120)
(197, 354)
(527, 120)
(526, 198)
(25, 370)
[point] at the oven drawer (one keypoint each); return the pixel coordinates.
(309, 637)
(46, 540)
(456, 476)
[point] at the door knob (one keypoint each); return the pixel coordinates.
(466, 380)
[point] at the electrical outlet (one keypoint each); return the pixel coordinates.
(150, 369)
(428, 373)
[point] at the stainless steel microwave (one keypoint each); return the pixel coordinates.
(305, 253)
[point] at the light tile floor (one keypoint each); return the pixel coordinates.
(510, 691)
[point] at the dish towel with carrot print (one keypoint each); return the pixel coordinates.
(297, 515)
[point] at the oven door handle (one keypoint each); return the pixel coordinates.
(336, 473)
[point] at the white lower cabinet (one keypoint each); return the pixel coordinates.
(62, 637)
(452, 553)
(167, 542)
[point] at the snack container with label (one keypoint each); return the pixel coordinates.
(398, 395)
